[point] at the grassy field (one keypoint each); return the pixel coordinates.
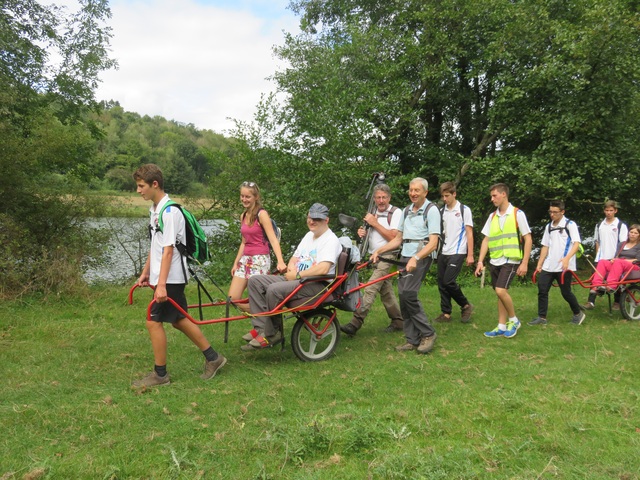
(557, 402)
(132, 205)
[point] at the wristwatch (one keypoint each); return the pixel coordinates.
(417, 258)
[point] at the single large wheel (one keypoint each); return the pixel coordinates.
(315, 335)
(630, 302)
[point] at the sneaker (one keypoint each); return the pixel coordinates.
(496, 332)
(538, 321)
(426, 344)
(588, 306)
(512, 329)
(615, 306)
(442, 318)
(152, 380)
(392, 328)
(211, 368)
(247, 337)
(407, 347)
(578, 318)
(349, 329)
(466, 312)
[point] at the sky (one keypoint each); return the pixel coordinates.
(203, 62)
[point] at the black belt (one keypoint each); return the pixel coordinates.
(413, 241)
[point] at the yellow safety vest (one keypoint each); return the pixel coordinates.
(505, 242)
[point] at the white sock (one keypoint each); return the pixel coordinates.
(502, 326)
(514, 319)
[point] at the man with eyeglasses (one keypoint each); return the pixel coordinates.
(418, 234)
(316, 254)
(383, 227)
(560, 242)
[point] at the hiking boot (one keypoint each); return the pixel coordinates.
(152, 380)
(211, 368)
(407, 347)
(349, 329)
(466, 312)
(442, 318)
(578, 318)
(512, 329)
(496, 332)
(615, 306)
(427, 343)
(588, 306)
(392, 328)
(538, 321)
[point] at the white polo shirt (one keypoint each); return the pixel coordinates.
(173, 232)
(559, 239)
(388, 222)
(609, 236)
(455, 239)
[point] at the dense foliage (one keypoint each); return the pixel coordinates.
(539, 94)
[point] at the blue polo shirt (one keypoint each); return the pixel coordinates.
(413, 228)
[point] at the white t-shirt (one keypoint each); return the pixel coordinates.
(375, 239)
(559, 242)
(455, 239)
(172, 234)
(609, 236)
(523, 226)
(311, 251)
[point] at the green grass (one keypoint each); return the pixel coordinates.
(554, 402)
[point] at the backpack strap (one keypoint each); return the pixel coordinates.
(390, 213)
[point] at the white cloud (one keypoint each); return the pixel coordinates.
(191, 62)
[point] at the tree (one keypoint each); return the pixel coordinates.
(48, 73)
(539, 94)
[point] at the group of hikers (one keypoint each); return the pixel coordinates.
(423, 232)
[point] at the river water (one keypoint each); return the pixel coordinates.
(128, 247)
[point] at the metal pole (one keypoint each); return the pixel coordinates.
(377, 177)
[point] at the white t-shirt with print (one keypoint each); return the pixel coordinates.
(172, 234)
(311, 251)
(455, 240)
(559, 239)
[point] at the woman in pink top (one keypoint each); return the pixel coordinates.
(253, 255)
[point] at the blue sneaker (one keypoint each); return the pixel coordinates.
(512, 329)
(496, 332)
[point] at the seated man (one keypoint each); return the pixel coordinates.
(317, 254)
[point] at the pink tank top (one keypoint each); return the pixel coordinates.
(255, 242)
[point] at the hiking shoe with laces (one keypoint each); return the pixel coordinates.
(349, 329)
(538, 321)
(512, 329)
(588, 306)
(392, 328)
(152, 380)
(466, 312)
(427, 343)
(211, 368)
(496, 332)
(406, 347)
(442, 318)
(578, 318)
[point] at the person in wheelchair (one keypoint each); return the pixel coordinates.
(316, 255)
(623, 265)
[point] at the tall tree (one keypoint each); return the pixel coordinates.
(540, 94)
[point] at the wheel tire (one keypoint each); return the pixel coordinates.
(629, 307)
(304, 341)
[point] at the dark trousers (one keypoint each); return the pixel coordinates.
(449, 267)
(545, 279)
(416, 324)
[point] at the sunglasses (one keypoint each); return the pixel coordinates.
(248, 184)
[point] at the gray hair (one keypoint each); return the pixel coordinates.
(382, 187)
(421, 181)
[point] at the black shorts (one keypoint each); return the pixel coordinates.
(502, 275)
(165, 311)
